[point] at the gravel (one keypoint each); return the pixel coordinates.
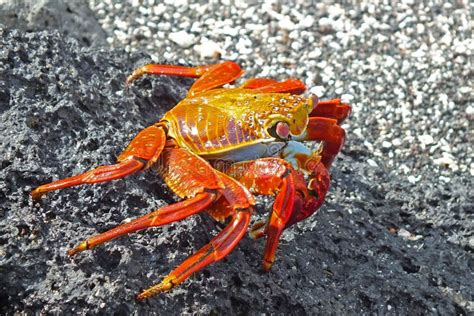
(395, 235)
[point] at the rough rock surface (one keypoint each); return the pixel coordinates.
(71, 18)
(64, 110)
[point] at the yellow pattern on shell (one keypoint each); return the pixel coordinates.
(225, 119)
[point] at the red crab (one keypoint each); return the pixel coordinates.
(257, 129)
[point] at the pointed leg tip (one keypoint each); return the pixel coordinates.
(140, 297)
(128, 81)
(267, 265)
(164, 286)
(82, 246)
(144, 295)
(36, 194)
(137, 73)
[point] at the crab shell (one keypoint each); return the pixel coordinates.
(232, 123)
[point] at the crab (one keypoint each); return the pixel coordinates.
(219, 147)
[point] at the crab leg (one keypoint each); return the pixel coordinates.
(266, 85)
(142, 151)
(328, 131)
(333, 109)
(191, 177)
(282, 210)
(210, 76)
(219, 247)
(311, 200)
(203, 191)
(270, 176)
(162, 216)
(235, 201)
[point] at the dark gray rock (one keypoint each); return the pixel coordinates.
(63, 110)
(71, 18)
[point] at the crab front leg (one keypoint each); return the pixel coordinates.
(275, 176)
(141, 153)
(333, 109)
(328, 131)
(324, 126)
(209, 76)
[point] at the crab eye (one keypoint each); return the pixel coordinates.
(280, 130)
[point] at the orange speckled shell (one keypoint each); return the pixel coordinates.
(187, 174)
(224, 119)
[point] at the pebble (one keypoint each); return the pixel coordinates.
(182, 38)
(447, 160)
(470, 110)
(412, 179)
(209, 49)
(426, 139)
(372, 163)
(405, 234)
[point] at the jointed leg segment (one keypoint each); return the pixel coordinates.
(165, 215)
(270, 176)
(99, 174)
(265, 85)
(209, 76)
(219, 247)
(333, 109)
(232, 195)
(142, 151)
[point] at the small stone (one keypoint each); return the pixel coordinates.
(426, 139)
(182, 38)
(318, 90)
(286, 24)
(470, 110)
(445, 179)
(412, 179)
(372, 163)
(396, 142)
(346, 97)
(209, 49)
(386, 144)
(314, 53)
(447, 159)
(405, 234)
(389, 61)
(307, 22)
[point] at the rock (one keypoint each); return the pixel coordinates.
(73, 18)
(64, 110)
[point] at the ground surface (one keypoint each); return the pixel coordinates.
(394, 237)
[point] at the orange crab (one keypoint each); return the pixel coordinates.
(257, 130)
